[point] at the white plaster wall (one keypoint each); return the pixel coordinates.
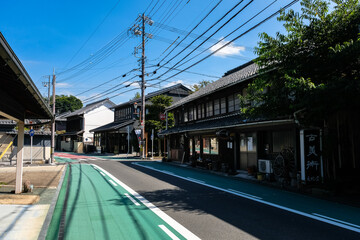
(66, 146)
(96, 118)
(38, 153)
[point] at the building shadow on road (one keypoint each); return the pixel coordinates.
(240, 212)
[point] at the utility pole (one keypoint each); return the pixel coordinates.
(53, 120)
(49, 90)
(47, 84)
(140, 30)
(143, 88)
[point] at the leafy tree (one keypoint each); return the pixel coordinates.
(201, 84)
(136, 96)
(65, 103)
(157, 106)
(313, 69)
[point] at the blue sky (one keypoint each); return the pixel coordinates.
(62, 34)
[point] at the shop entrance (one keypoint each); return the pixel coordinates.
(248, 150)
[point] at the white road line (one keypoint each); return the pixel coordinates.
(337, 220)
(168, 232)
(167, 172)
(195, 180)
(102, 174)
(112, 182)
(322, 219)
(133, 200)
(169, 220)
(242, 193)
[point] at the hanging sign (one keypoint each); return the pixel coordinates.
(311, 155)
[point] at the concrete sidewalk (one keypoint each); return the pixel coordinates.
(22, 215)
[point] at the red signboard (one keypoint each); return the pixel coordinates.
(162, 116)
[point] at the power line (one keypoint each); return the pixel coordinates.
(247, 31)
(200, 74)
(184, 32)
(92, 34)
(223, 38)
(111, 90)
(105, 48)
(123, 75)
(193, 29)
(257, 14)
(153, 7)
(149, 5)
(231, 18)
(162, 39)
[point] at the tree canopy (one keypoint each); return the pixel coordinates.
(65, 103)
(201, 84)
(158, 105)
(313, 68)
(136, 96)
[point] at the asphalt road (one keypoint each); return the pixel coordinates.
(213, 214)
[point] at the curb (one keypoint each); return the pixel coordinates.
(50, 213)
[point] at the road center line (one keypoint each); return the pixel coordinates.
(133, 200)
(242, 193)
(112, 182)
(339, 223)
(168, 232)
(337, 220)
(169, 220)
(195, 180)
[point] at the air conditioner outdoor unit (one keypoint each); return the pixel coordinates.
(265, 166)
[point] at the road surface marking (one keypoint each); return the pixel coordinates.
(112, 182)
(242, 193)
(169, 220)
(167, 172)
(133, 200)
(337, 220)
(259, 200)
(195, 180)
(102, 174)
(168, 232)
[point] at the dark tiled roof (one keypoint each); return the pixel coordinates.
(247, 71)
(26, 132)
(115, 126)
(222, 122)
(91, 107)
(28, 122)
(7, 122)
(75, 133)
(62, 116)
(156, 93)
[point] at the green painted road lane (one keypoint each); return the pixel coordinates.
(99, 207)
(333, 213)
(65, 160)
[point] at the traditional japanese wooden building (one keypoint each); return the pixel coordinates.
(119, 136)
(211, 132)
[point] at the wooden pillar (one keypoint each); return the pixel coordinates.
(146, 144)
(19, 158)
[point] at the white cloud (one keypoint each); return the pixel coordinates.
(133, 84)
(62, 85)
(173, 83)
(230, 49)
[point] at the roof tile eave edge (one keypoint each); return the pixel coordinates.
(178, 104)
(26, 76)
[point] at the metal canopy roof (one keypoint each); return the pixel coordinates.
(19, 97)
